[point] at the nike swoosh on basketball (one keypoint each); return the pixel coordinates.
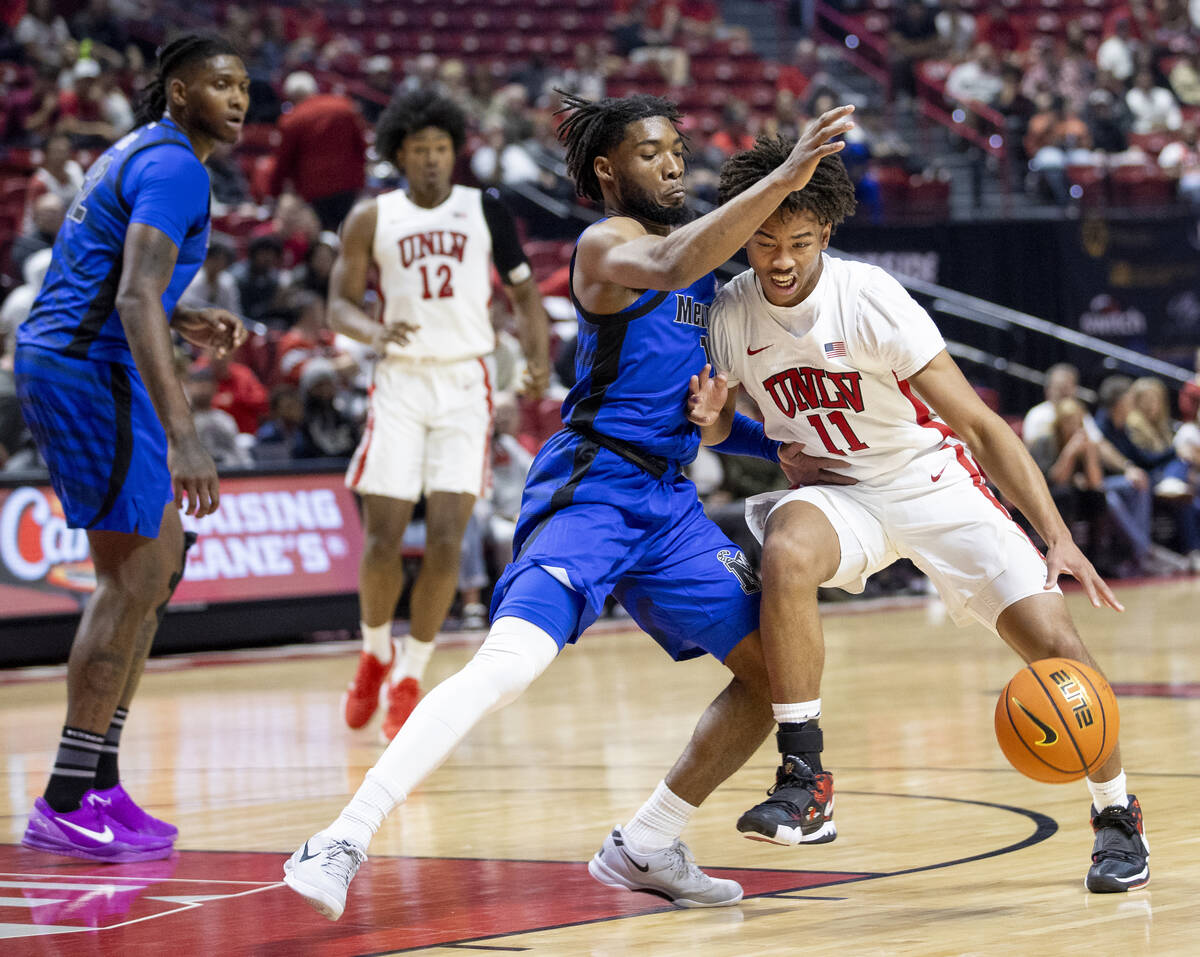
(641, 867)
(934, 478)
(754, 352)
(104, 837)
(1049, 735)
(304, 855)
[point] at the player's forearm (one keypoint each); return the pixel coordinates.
(347, 319)
(533, 325)
(1010, 466)
(718, 431)
(146, 330)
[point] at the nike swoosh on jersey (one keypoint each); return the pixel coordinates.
(1049, 735)
(104, 837)
(754, 352)
(934, 478)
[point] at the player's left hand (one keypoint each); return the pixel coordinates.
(216, 329)
(804, 469)
(1066, 558)
(706, 397)
(536, 380)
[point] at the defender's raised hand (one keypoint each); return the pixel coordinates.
(706, 397)
(816, 142)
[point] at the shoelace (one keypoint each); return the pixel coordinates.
(684, 864)
(1118, 819)
(342, 861)
(801, 777)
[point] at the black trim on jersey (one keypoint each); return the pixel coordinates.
(98, 311)
(610, 340)
(122, 394)
(656, 465)
(628, 314)
(564, 495)
(507, 253)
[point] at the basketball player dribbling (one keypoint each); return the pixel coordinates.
(840, 358)
(607, 510)
(429, 426)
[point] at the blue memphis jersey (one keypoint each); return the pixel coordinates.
(150, 176)
(632, 369)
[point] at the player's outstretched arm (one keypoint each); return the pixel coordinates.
(1008, 463)
(348, 284)
(149, 259)
(619, 251)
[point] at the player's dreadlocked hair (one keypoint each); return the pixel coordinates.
(593, 128)
(173, 58)
(828, 195)
(411, 112)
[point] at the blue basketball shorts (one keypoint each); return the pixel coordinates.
(95, 426)
(593, 524)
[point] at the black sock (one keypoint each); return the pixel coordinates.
(811, 730)
(107, 773)
(74, 771)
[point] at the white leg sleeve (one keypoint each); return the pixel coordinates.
(514, 653)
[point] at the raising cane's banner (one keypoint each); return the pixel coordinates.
(277, 536)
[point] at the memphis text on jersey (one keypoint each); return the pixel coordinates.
(435, 242)
(689, 312)
(804, 388)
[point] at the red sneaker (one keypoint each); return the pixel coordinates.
(362, 695)
(401, 699)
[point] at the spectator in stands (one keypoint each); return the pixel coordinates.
(1070, 460)
(735, 133)
(1017, 110)
(43, 35)
(106, 31)
(1185, 78)
(1065, 73)
(1061, 382)
(1189, 395)
(33, 111)
(956, 28)
(500, 161)
(91, 110)
(1138, 16)
(998, 29)
(1117, 55)
(586, 76)
(214, 285)
(326, 432)
(510, 464)
(275, 441)
(322, 150)
(1154, 108)
(260, 278)
(48, 214)
(912, 38)
(977, 79)
(1150, 429)
(238, 391)
(296, 225)
(309, 339)
(1187, 447)
(645, 33)
(1057, 137)
(1107, 125)
(15, 308)
(217, 431)
(58, 174)
(804, 69)
(230, 188)
(1180, 159)
(421, 73)
(378, 84)
(313, 273)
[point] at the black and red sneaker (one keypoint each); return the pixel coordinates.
(798, 810)
(1121, 853)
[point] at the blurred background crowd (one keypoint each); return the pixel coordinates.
(966, 108)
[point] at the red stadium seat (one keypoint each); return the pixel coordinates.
(1092, 182)
(1141, 186)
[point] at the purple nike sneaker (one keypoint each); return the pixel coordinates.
(89, 834)
(116, 804)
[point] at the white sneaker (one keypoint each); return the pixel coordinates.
(671, 873)
(321, 872)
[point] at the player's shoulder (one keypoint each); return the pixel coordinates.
(864, 276)
(738, 292)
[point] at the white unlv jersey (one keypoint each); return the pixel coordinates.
(830, 372)
(435, 271)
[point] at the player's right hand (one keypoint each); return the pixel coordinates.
(399, 333)
(816, 142)
(707, 395)
(194, 475)
(803, 469)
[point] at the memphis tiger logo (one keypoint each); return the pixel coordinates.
(739, 567)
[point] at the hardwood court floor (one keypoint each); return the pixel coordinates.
(942, 849)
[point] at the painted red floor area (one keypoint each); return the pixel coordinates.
(233, 903)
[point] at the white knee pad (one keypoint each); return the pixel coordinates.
(514, 653)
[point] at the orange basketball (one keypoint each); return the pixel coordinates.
(1057, 720)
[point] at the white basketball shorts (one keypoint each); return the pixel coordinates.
(428, 430)
(936, 511)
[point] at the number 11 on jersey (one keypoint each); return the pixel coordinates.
(839, 422)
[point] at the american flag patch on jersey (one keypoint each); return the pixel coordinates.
(835, 350)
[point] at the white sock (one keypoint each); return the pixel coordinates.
(1107, 793)
(361, 818)
(798, 712)
(416, 659)
(377, 640)
(514, 653)
(659, 822)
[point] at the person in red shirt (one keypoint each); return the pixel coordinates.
(322, 150)
(238, 392)
(308, 338)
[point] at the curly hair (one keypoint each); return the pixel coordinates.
(594, 128)
(411, 112)
(828, 195)
(173, 59)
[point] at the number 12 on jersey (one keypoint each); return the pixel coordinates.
(439, 285)
(838, 420)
